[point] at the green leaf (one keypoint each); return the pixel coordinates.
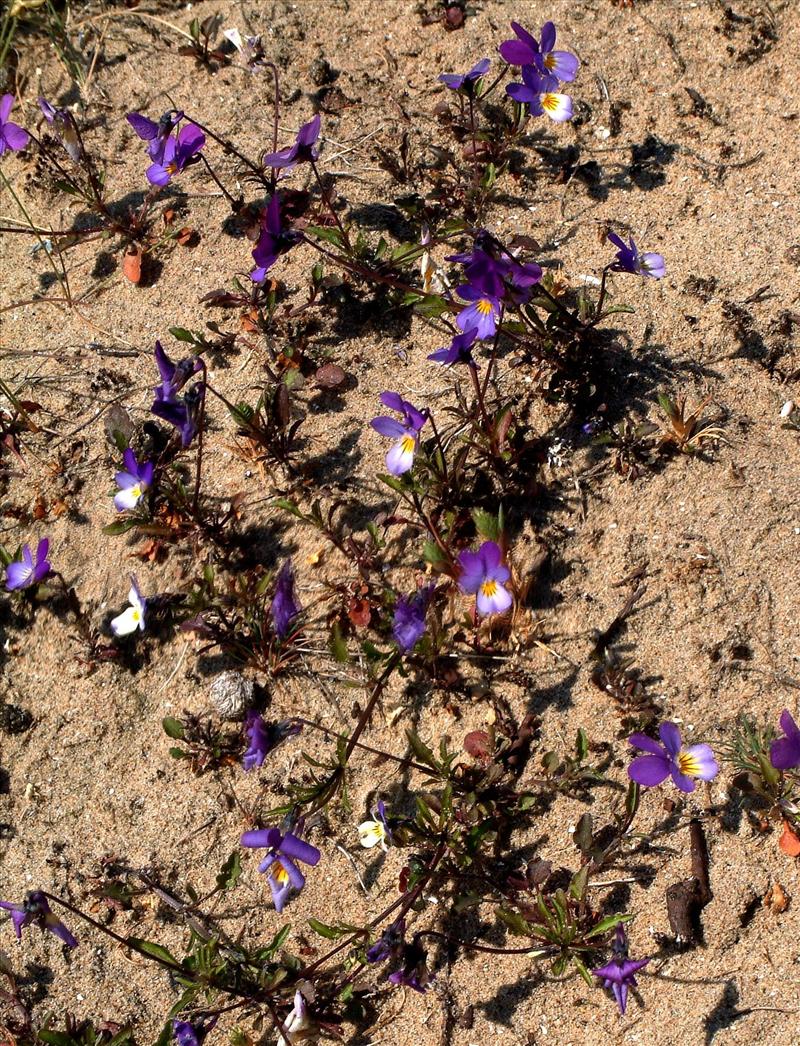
(288, 506)
(156, 951)
(607, 924)
(421, 750)
(487, 524)
(579, 883)
(332, 933)
(578, 964)
(433, 555)
(393, 482)
(183, 334)
(583, 833)
(56, 1038)
(329, 235)
(228, 875)
(581, 745)
(514, 921)
(121, 526)
(178, 753)
(618, 308)
(173, 728)
(338, 645)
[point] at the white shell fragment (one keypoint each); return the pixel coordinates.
(231, 694)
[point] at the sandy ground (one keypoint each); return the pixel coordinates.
(719, 535)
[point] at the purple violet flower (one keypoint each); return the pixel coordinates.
(283, 875)
(305, 148)
(630, 260)
(408, 625)
(273, 240)
(537, 93)
(458, 351)
(133, 482)
(401, 457)
(522, 51)
(35, 911)
(183, 413)
(466, 82)
(24, 572)
(261, 743)
(619, 974)
(155, 134)
(784, 753)
(483, 572)
(187, 1034)
(173, 375)
(482, 315)
(284, 608)
(497, 273)
(64, 127)
(179, 151)
(12, 136)
(670, 758)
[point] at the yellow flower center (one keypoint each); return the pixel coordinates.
(688, 764)
(279, 873)
(489, 588)
(407, 444)
(550, 61)
(484, 306)
(136, 491)
(550, 102)
(136, 614)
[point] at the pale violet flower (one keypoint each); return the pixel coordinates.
(375, 832)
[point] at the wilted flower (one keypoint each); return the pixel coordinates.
(784, 753)
(273, 241)
(537, 93)
(179, 151)
(285, 607)
(304, 149)
(66, 130)
(250, 48)
(619, 974)
(408, 626)
(481, 315)
(283, 875)
(483, 572)
(630, 260)
(414, 972)
(671, 758)
(389, 943)
(24, 572)
(375, 831)
(133, 482)
(155, 133)
(12, 136)
(401, 457)
(35, 911)
(458, 351)
(466, 82)
(136, 614)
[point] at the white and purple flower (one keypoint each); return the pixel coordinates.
(135, 616)
(400, 458)
(134, 482)
(671, 758)
(631, 259)
(483, 574)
